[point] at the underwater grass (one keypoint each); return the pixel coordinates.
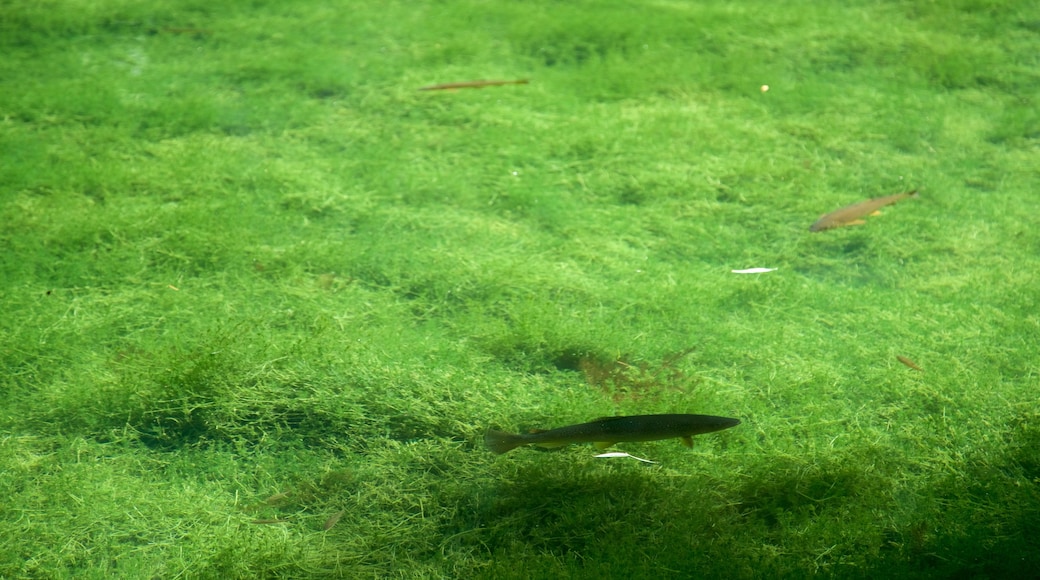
(263, 297)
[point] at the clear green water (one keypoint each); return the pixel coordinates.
(254, 285)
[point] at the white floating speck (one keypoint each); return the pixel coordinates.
(753, 271)
(622, 454)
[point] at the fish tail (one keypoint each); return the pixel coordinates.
(501, 442)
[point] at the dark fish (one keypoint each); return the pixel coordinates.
(472, 85)
(909, 363)
(850, 215)
(610, 430)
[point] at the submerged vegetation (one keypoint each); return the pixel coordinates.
(263, 297)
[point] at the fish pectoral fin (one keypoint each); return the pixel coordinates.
(687, 440)
(603, 444)
(549, 445)
(855, 223)
(876, 212)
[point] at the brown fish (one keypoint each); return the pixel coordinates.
(610, 430)
(909, 363)
(472, 85)
(278, 498)
(333, 520)
(850, 215)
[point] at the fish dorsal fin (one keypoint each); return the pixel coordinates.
(601, 419)
(687, 440)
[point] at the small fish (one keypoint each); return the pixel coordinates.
(909, 363)
(270, 521)
(850, 215)
(278, 498)
(610, 430)
(472, 85)
(333, 520)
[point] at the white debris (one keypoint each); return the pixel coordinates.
(623, 454)
(753, 271)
